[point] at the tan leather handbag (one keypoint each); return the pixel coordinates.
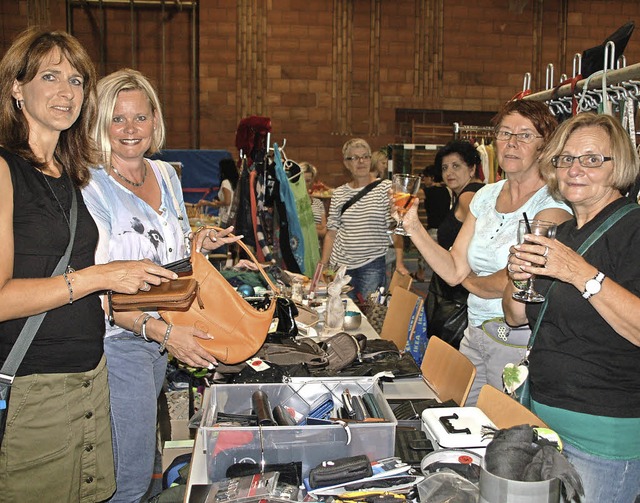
(237, 328)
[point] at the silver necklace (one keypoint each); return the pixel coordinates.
(64, 213)
(124, 178)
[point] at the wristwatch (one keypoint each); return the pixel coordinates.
(593, 286)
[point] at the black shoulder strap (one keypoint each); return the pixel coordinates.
(359, 196)
(28, 332)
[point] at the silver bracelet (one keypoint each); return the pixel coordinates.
(133, 328)
(167, 333)
(143, 328)
(68, 282)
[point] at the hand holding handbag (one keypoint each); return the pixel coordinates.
(238, 330)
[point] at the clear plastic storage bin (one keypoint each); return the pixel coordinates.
(310, 444)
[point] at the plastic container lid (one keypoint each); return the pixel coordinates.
(461, 461)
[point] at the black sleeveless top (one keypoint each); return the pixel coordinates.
(70, 337)
(450, 225)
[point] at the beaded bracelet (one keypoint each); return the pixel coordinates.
(68, 282)
(133, 329)
(143, 328)
(167, 333)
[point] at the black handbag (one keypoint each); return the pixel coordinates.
(446, 310)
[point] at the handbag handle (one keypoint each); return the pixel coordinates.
(266, 277)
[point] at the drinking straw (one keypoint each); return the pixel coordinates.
(526, 222)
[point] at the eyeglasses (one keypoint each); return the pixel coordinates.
(586, 160)
(521, 137)
(358, 158)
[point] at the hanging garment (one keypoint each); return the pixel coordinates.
(243, 220)
(296, 241)
(305, 216)
(264, 222)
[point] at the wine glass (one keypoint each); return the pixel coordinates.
(538, 228)
(404, 188)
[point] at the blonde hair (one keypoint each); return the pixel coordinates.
(626, 165)
(109, 87)
(377, 157)
(307, 167)
(354, 143)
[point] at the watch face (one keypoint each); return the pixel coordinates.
(593, 286)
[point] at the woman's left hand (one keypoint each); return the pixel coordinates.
(183, 345)
(211, 239)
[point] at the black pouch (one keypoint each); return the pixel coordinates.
(290, 473)
(412, 445)
(339, 471)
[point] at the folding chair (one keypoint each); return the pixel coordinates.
(396, 322)
(401, 280)
(449, 373)
(503, 410)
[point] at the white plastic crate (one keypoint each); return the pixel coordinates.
(310, 444)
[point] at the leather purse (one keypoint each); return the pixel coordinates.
(237, 328)
(340, 471)
(176, 295)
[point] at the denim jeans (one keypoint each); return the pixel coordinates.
(610, 480)
(368, 278)
(136, 375)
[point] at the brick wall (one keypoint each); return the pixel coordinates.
(327, 70)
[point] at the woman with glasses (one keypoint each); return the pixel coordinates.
(479, 253)
(358, 222)
(583, 365)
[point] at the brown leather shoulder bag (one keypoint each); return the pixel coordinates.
(237, 328)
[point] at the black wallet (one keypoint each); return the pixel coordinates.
(412, 445)
(182, 266)
(339, 471)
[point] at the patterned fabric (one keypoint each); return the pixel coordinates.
(293, 223)
(264, 222)
(130, 229)
(361, 231)
(317, 207)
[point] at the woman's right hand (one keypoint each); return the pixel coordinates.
(130, 276)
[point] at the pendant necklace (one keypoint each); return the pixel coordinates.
(64, 213)
(124, 178)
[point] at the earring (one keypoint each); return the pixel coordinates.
(18, 104)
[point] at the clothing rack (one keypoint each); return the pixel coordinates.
(466, 131)
(620, 83)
